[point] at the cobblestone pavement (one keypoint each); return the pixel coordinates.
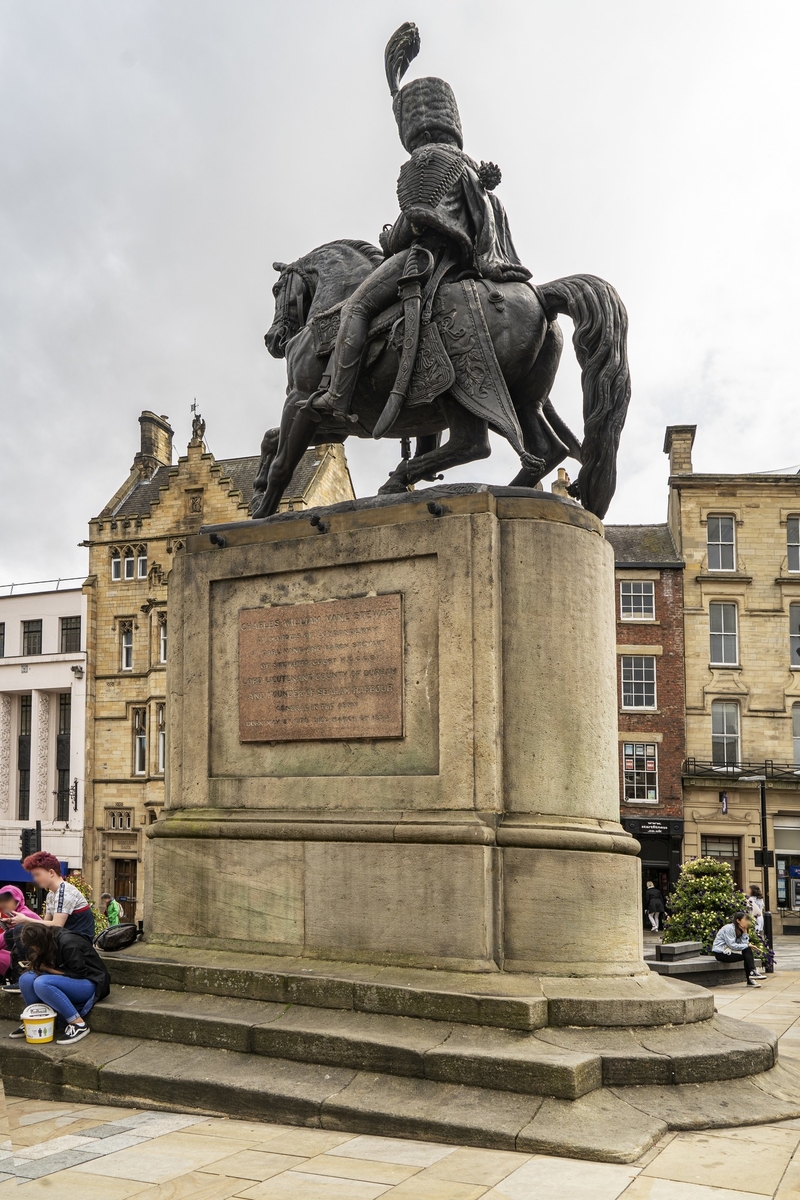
(91, 1152)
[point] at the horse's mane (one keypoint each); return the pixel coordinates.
(369, 251)
(366, 248)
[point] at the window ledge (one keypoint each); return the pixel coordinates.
(651, 712)
(724, 576)
(712, 666)
(639, 621)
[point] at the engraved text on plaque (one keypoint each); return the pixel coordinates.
(327, 670)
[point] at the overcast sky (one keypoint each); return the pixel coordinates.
(157, 155)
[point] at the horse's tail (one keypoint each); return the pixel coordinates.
(600, 341)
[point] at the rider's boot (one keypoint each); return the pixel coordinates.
(332, 397)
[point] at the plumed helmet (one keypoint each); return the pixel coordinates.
(424, 105)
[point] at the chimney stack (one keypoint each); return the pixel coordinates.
(156, 443)
(560, 486)
(678, 442)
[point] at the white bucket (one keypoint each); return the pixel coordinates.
(40, 1023)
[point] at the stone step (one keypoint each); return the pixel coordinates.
(505, 1060)
(609, 1125)
(706, 1051)
(561, 1062)
(503, 999)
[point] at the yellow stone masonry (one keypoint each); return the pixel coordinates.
(764, 684)
(132, 544)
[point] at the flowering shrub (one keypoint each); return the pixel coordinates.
(705, 899)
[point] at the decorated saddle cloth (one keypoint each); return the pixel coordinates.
(455, 354)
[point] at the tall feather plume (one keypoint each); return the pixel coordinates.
(401, 50)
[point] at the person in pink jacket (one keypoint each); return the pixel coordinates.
(12, 901)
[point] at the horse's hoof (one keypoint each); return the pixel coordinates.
(392, 487)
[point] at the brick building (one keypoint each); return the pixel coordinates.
(131, 545)
(739, 535)
(650, 681)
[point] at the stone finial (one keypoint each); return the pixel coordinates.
(678, 442)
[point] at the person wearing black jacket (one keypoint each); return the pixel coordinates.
(654, 905)
(64, 971)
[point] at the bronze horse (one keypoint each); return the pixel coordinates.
(527, 342)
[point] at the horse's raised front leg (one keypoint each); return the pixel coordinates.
(297, 429)
(468, 441)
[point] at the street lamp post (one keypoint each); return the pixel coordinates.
(766, 859)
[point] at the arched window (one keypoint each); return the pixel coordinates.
(129, 563)
(141, 562)
(116, 565)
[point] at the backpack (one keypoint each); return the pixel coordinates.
(116, 937)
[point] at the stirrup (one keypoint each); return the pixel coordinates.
(322, 403)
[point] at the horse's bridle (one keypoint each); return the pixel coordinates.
(293, 291)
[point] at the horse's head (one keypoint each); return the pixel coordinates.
(293, 293)
(322, 278)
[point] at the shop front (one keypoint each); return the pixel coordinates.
(786, 833)
(661, 852)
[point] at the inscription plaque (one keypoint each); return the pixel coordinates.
(328, 670)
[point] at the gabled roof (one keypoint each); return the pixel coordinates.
(240, 471)
(643, 545)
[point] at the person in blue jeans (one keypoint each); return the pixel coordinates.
(64, 971)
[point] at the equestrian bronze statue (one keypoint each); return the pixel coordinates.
(442, 328)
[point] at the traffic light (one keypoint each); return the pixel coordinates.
(29, 842)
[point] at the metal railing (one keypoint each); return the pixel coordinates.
(7, 589)
(707, 769)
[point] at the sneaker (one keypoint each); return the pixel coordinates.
(758, 975)
(9, 988)
(18, 1033)
(752, 983)
(74, 1033)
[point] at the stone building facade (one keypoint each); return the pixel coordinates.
(739, 535)
(650, 683)
(42, 722)
(131, 547)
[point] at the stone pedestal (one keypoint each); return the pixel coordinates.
(481, 833)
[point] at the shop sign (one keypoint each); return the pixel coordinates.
(654, 828)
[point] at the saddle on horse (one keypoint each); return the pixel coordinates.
(445, 346)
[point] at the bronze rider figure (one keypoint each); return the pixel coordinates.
(450, 224)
